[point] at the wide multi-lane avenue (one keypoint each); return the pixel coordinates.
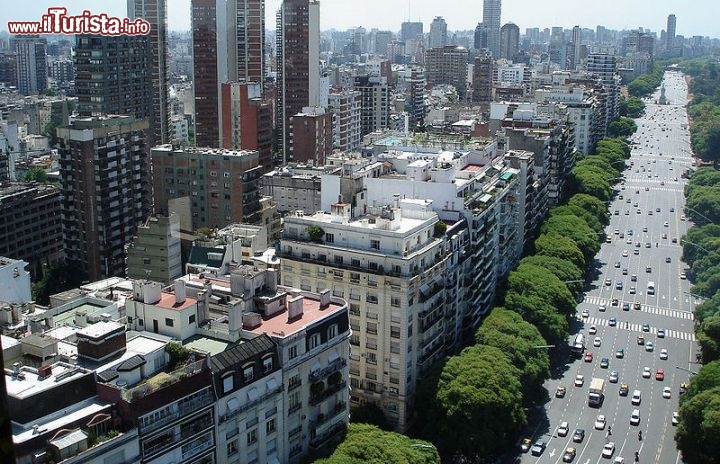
(639, 302)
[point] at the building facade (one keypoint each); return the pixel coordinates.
(105, 178)
(155, 251)
(448, 65)
(31, 64)
(491, 20)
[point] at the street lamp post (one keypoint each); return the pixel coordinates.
(682, 240)
(700, 214)
(686, 370)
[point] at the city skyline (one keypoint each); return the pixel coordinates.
(459, 14)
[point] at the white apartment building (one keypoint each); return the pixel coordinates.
(15, 285)
(346, 111)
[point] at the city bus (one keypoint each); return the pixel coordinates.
(577, 347)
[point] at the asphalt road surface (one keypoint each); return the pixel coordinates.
(652, 187)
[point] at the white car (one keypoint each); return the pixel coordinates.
(625, 253)
(646, 373)
(592, 330)
(579, 380)
(675, 418)
(667, 392)
(635, 417)
(683, 276)
(597, 341)
(649, 347)
(585, 313)
(664, 354)
(608, 450)
(600, 422)
(563, 430)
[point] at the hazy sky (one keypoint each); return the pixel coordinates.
(694, 17)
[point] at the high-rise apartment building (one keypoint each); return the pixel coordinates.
(491, 20)
(509, 40)
(480, 37)
(577, 46)
(221, 184)
(670, 32)
(154, 253)
(410, 31)
(30, 225)
(228, 46)
(482, 80)
(31, 64)
(448, 65)
(155, 13)
(346, 112)
(438, 33)
(247, 120)
(605, 67)
(374, 103)
(415, 103)
(298, 64)
(105, 177)
(311, 139)
(113, 75)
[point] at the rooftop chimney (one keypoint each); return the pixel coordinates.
(180, 291)
(295, 308)
(251, 321)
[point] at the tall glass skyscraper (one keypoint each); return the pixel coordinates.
(491, 19)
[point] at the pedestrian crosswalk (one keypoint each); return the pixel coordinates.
(676, 313)
(596, 321)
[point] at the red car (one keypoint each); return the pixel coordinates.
(660, 374)
(588, 356)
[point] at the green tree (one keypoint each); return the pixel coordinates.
(563, 270)
(552, 325)
(36, 174)
(590, 180)
(56, 279)
(561, 247)
(708, 335)
(473, 387)
(592, 205)
(632, 107)
(528, 279)
(698, 430)
(707, 378)
(703, 203)
(707, 308)
(369, 413)
(519, 340)
(365, 443)
(622, 127)
(575, 228)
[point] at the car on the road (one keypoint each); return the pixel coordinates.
(641, 340)
(664, 354)
(664, 236)
(636, 398)
(636, 305)
(644, 229)
(617, 264)
(625, 253)
(682, 218)
(624, 389)
(538, 448)
(675, 418)
(635, 417)
(597, 341)
(579, 380)
(668, 260)
(666, 224)
(588, 356)
(683, 276)
(626, 306)
(620, 353)
(648, 269)
(674, 239)
(636, 252)
(667, 392)
(619, 285)
(619, 460)
(560, 392)
(612, 322)
(614, 302)
(648, 245)
(525, 445)
(608, 282)
(578, 435)
(684, 388)
(649, 347)
(569, 454)
(614, 377)
(647, 373)
(592, 330)
(624, 272)
(633, 278)
(661, 333)
(608, 450)
(600, 422)
(646, 327)
(602, 308)
(585, 313)
(632, 290)
(563, 429)
(604, 363)
(660, 374)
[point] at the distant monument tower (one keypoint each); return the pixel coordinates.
(663, 99)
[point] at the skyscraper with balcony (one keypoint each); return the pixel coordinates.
(155, 13)
(448, 65)
(298, 64)
(491, 19)
(31, 64)
(113, 75)
(104, 173)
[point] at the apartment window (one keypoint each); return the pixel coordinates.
(394, 332)
(233, 448)
(226, 174)
(330, 238)
(372, 266)
(169, 322)
(355, 340)
(314, 341)
(375, 244)
(270, 426)
(292, 352)
(371, 357)
(371, 328)
(355, 262)
(294, 401)
(395, 301)
(293, 382)
(147, 261)
(397, 269)
(338, 260)
(332, 331)
(252, 437)
(191, 319)
(370, 298)
(267, 364)
(227, 383)
(248, 374)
